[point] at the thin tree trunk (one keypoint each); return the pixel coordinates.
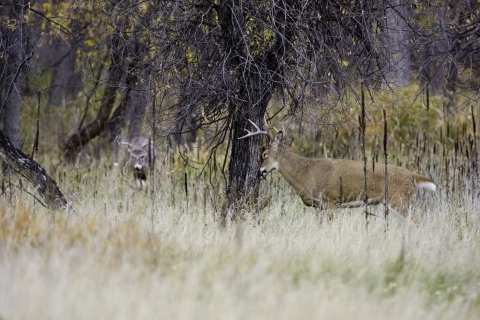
(131, 109)
(450, 86)
(113, 128)
(13, 77)
(398, 36)
(83, 136)
(66, 83)
(137, 106)
(185, 126)
(11, 120)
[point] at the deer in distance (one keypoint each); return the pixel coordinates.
(138, 149)
(326, 183)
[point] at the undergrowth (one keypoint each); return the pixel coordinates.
(122, 253)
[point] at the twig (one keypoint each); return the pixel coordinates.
(385, 154)
(362, 129)
(26, 191)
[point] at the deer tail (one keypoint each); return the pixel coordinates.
(422, 182)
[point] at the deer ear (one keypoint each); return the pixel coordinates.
(287, 142)
(278, 137)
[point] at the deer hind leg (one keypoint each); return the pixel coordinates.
(402, 206)
(324, 216)
(323, 206)
(325, 211)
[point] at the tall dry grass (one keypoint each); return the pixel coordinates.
(107, 259)
(113, 256)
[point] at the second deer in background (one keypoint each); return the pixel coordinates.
(138, 150)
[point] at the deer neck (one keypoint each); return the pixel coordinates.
(291, 166)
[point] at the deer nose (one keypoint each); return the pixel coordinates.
(138, 167)
(263, 172)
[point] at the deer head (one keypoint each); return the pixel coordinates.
(138, 150)
(269, 153)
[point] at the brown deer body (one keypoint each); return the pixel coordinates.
(335, 183)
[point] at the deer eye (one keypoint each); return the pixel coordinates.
(265, 155)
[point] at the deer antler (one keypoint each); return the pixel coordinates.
(257, 132)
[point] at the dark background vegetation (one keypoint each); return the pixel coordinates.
(189, 74)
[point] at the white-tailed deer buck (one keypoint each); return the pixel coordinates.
(337, 183)
(138, 149)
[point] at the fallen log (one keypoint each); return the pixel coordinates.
(29, 169)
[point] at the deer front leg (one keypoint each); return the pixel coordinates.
(328, 210)
(326, 206)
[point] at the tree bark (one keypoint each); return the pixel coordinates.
(14, 42)
(131, 109)
(449, 87)
(244, 167)
(257, 79)
(11, 117)
(398, 35)
(66, 83)
(183, 132)
(85, 135)
(126, 56)
(136, 108)
(33, 172)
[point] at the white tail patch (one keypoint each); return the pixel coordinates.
(426, 185)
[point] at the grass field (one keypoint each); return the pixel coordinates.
(110, 258)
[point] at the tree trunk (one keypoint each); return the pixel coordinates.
(183, 130)
(14, 42)
(244, 168)
(113, 128)
(33, 172)
(256, 80)
(120, 70)
(66, 83)
(11, 117)
(132, 110)
(85, 135)
(398, 36)
(136, 108)
(450, 87)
